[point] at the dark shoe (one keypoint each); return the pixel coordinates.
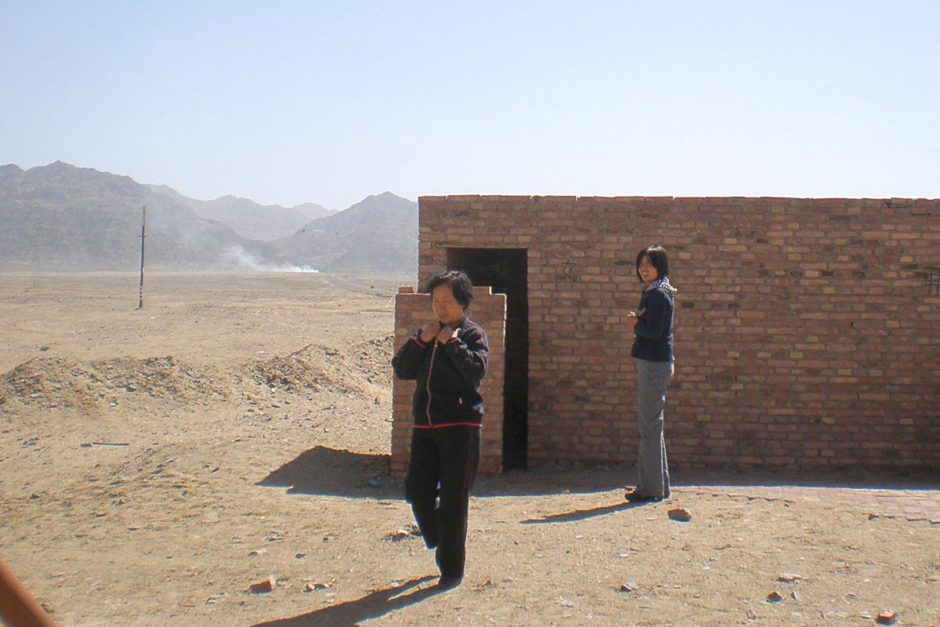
(633, 496)
(447, 583)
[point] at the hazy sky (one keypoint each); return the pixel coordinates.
(328, 102)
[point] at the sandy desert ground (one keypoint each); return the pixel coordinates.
(156, 463)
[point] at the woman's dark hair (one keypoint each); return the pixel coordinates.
(459, 283)
(658, 259)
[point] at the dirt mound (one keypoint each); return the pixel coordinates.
(310, 368)
(50, 382)
(317, 368)
(59, 382)
(160, 377)
(373, 359)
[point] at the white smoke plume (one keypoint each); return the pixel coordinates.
(241, 258)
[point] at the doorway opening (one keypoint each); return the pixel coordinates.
(506, 271)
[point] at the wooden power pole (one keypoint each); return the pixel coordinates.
(143, 237)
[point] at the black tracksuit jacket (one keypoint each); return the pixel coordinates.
(448, 376)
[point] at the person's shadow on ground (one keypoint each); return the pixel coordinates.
(373, 605)
(582, 514)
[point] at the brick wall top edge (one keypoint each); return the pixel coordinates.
(893, 201)
(406, 289)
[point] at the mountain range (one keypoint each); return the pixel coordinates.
(248, 218)
(61, 217)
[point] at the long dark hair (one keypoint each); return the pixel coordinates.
(658, 258)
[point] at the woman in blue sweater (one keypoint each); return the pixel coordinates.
(652, 352)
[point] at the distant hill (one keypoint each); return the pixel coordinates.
(378, 234)
(248, 218)
(62, 217)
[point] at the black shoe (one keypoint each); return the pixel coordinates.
(632, 496)
(446, 583)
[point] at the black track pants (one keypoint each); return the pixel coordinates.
(441, 472)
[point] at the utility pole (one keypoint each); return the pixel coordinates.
(143, 237)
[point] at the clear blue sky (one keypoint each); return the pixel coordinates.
(328, 102)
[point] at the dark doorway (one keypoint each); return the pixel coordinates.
(506, 271)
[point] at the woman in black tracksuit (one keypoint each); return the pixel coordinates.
(448, 359)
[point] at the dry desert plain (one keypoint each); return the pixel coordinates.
(156, 463)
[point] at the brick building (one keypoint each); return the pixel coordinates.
(807, 331)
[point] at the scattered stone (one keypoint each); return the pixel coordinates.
(789, 578)
(312, 586)
(629, 586)
(774, 597)
(411, 531)
(397, 536)
(263, 587)
(887, 617)
(300, 556)
(795, 595)
(680, 514)
(257, 552)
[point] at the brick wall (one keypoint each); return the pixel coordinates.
(807, 330)
(412, 311)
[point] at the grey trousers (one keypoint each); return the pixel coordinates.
(652, 468)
